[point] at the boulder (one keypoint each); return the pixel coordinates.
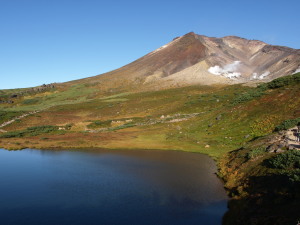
(272, 148)
(219, 117)
(247, 136)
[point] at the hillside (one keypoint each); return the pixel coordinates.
(171, 99)
(189, 118)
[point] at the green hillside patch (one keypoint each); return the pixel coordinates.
(287, 124)
(260, 90)
(31, 131)
(99, 124)
(31, 101)
(115, 96)
(282, 82)
(116, 100)
(6, 116)
(75, 94)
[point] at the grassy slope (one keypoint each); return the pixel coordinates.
(202, 119)
(81, 105)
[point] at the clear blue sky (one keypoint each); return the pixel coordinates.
(44, 41)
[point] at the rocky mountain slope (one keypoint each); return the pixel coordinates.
(196, 59)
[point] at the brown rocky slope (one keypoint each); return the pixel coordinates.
(196, 59)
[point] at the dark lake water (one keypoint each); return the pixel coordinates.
(41, 187)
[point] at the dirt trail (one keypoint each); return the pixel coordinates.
(291, 138)
(14, 119)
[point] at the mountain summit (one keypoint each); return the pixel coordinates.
(198, 59)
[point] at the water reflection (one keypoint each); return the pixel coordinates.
(109, 187)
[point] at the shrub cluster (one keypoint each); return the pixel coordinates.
(288, 163)
(256, 152)
(287, 124)
(100, 124)
(286, 160)
(261, 89)
(249, 95)
(126, 125)
(31, 131)
(282, 81)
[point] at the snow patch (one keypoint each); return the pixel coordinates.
(164, 46)
(230, 70)
(255, 76)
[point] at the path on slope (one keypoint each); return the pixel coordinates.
(14, 119)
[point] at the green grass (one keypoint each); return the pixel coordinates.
(75, 94)
(31, 131)
(115, 96)
(31, 101)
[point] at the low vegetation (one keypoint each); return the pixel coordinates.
(249, 95)
(31, 131)
(260, 90)
(286, 160)
(99, 124)
(205, 119)
(287, 124)
(282, 82)
(256, 152)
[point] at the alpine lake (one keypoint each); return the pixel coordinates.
(109, 187)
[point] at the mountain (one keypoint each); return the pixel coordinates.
(169, 99)
(197, 59)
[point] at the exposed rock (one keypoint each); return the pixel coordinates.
(272, 148)
(6, 102)
(279, 150)
(219, 117)
(290, 147)
(247, 136)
